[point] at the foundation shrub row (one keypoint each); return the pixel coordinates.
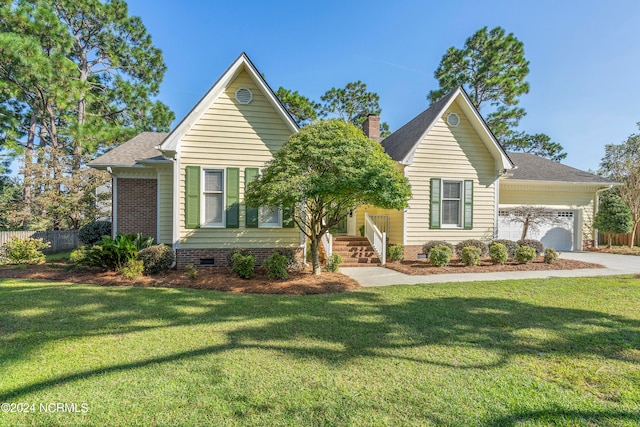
(470, 252)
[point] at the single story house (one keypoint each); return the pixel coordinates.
(186, 188)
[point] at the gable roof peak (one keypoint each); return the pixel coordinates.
(242, 62)
(401, 144)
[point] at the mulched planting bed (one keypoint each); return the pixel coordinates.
(220, 279)
(423, 267)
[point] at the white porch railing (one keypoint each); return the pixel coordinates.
(327, 243)
(377, 238)
(382, 222)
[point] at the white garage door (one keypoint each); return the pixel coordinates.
(558, 234)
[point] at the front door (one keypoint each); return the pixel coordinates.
(340, 227)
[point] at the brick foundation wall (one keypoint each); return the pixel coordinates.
(193, 256)
(411, 252)
(137, 206)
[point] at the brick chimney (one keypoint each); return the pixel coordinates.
(371, 127)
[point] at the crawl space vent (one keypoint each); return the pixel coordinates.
(244, 95)
(453, 119)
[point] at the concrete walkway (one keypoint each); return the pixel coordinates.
(615, 264)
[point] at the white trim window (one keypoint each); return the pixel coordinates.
(269, 218)
(213, 198)
(451, 203)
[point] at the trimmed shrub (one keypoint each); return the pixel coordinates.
(484, 249)
(112, 254)
(510, 245)
(78, 255)
(156, 258)
(440, 255)
(525, 254)
(550, 256)
(24, 251)
(243, 265)
(395, 253)
(90, 233)
(535, 244)
(241, 251)
(132, 269)
(276, 266)
(498, 253)
(426, 248)
(471, 255)
(290, 254)
(333, 265)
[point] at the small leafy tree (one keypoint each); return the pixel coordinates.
(613, 215)
(324, 172)
(621, 163)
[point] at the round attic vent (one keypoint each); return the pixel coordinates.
(244, 95)
(453, 119)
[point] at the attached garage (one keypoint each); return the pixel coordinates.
(559, 232)
(568, 195)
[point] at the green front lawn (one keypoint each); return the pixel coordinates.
(532, 352)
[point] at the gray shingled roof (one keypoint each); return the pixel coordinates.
(534, 168)
(400, 143)
(141, 147)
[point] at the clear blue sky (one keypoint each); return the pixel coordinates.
(584, 55)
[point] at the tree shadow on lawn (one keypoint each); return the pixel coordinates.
(567, 417)
(332, 328)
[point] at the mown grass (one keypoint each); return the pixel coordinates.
(533, 352)
(58, 256)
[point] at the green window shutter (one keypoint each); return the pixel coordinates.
(233, 198)
(436, 198)
(192, 192)
(251, 214)
(468, 205)
(287, 217)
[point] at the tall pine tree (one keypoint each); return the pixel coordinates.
(77, 77)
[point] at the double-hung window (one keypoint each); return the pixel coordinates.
(269, 218)
(213, 200)
(451, 203)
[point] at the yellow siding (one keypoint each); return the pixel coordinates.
(515, 194)
(165, 205)
(234, 135)
(396, 222)
(453, 153)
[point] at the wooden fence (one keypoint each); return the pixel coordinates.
(618, 239)
(61, 240)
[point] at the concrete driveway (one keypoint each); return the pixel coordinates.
(614, 265)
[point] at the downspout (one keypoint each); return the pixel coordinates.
(114, 202)
(175, 201)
